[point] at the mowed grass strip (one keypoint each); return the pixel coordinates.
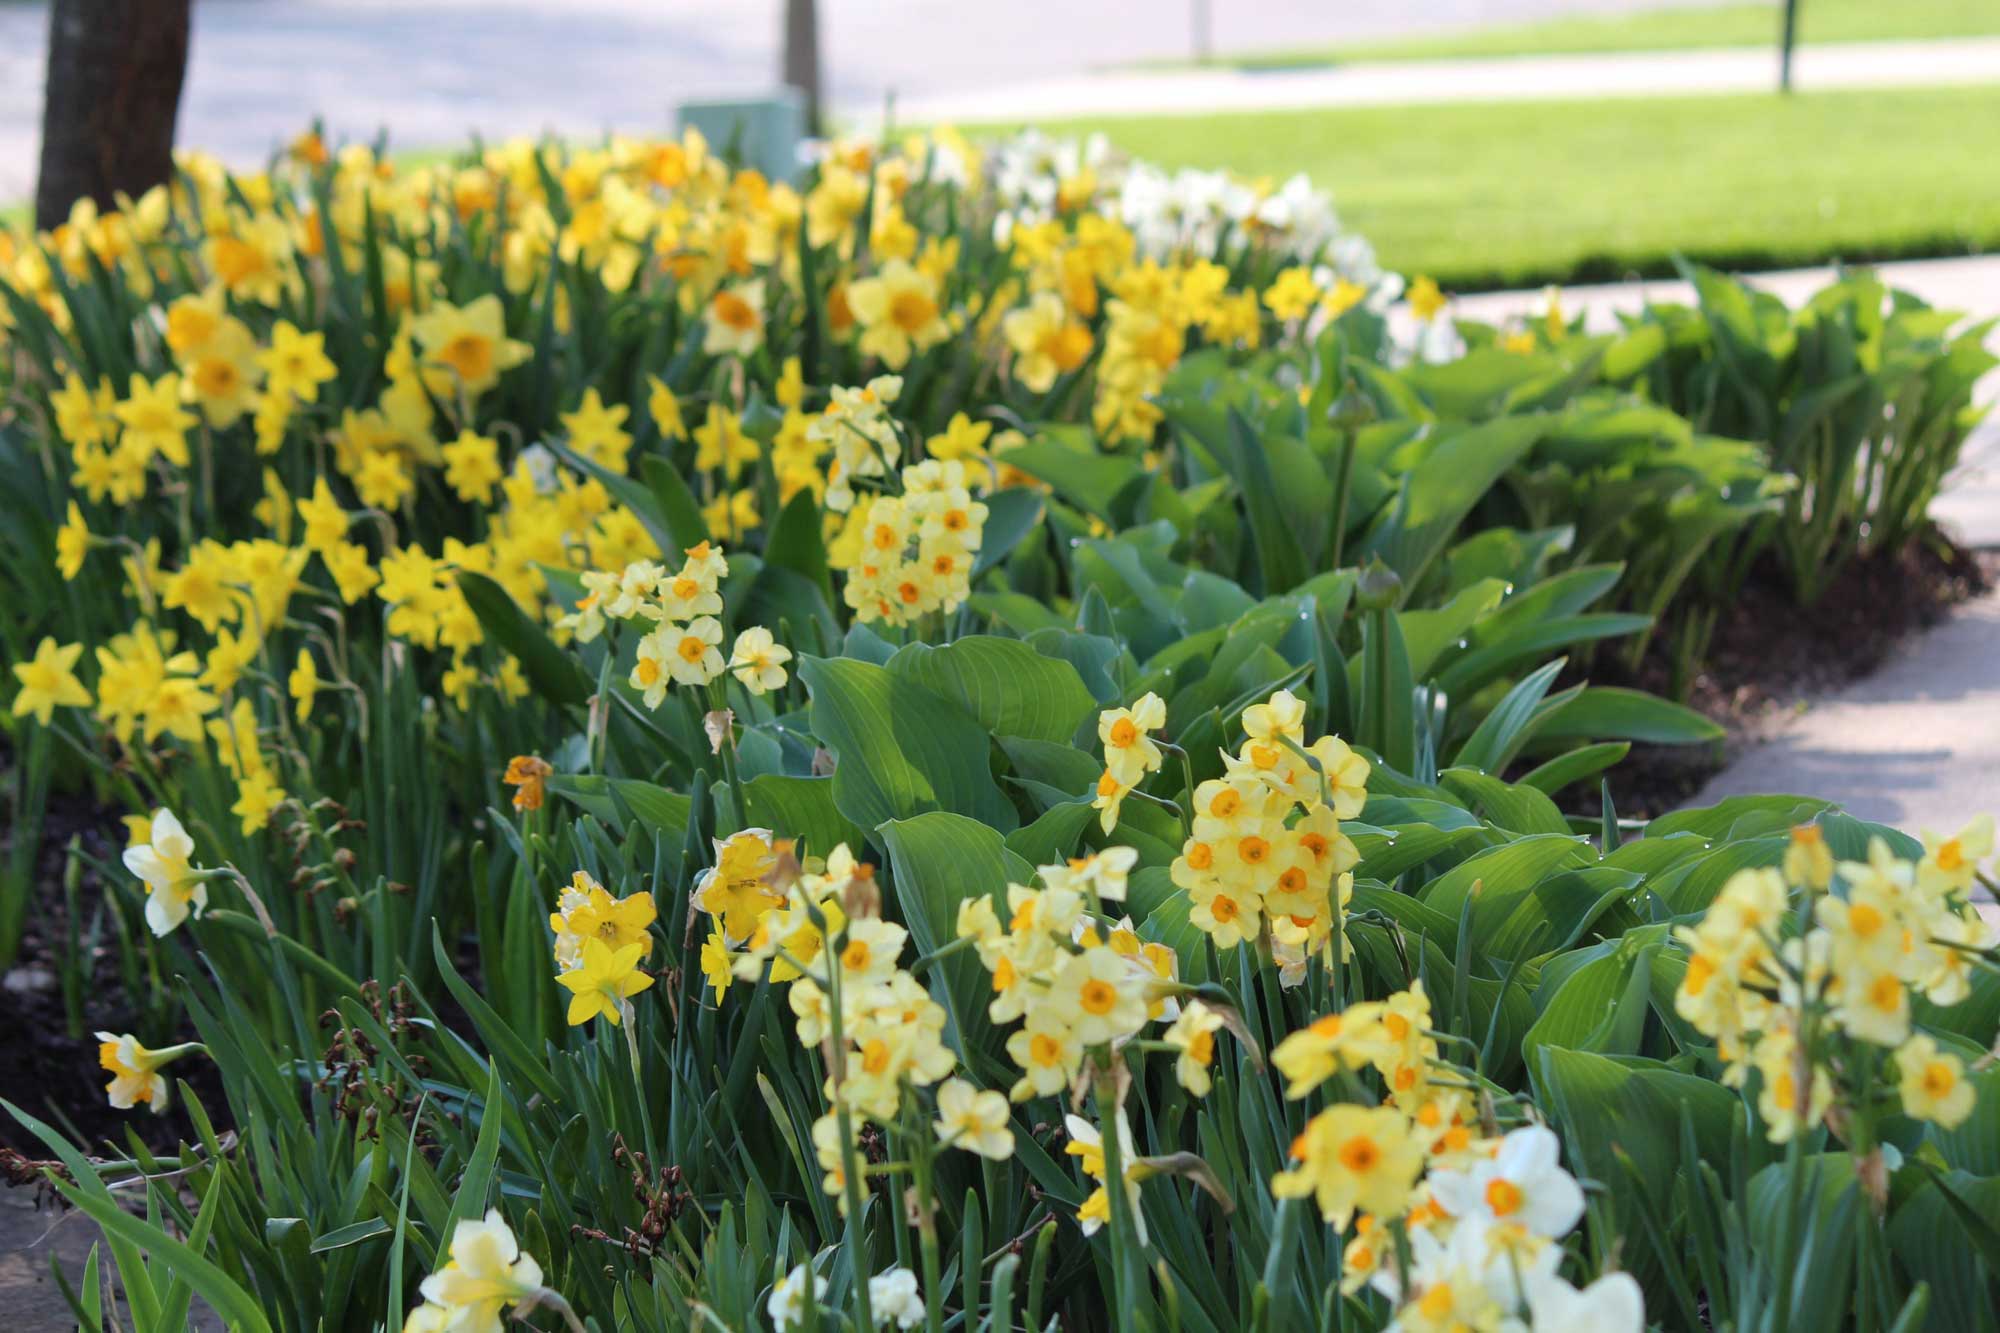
(1513, 194)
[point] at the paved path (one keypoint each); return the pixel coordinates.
(1917, 744)
(1638, 74)
(434, 71)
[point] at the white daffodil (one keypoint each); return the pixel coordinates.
(174, 886)
(1523, 1184)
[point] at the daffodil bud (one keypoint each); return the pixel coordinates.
(1380, 587)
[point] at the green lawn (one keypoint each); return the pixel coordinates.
(1518, 193)
(1668, 29)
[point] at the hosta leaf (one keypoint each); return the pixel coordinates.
(1011, 514)
(1514, 868)
(1574, 766)
(802, 808)
(938, 860)
(1080, 472)
(1519, 809)
(900, 750)
(1053, 837)
(1003, 684)
(1929, 1238)
(1455, 469)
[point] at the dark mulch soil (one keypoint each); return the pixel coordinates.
(1769, 655)
(44, 1069)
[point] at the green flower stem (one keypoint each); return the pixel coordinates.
(850, 1163)
(1127, 1268)
(719, 702)
(922, 1157)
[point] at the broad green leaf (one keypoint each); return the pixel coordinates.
(938, 860)
(1003, 684)
(899, 749)
(801, 808)
(1448, 474)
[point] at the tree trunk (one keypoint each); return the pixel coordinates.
(108, 109)
(802, 56)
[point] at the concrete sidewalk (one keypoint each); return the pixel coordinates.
(1927, 64)
(1916, 745)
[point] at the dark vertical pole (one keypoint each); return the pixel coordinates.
(108, 109)
(1790, 34)
(802, 56)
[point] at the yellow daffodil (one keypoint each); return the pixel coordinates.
(304, 684)
(1353, 1157)
(527, 773)
(974, 1120)
(603, 980)
(758, 661)
(898, 312)
(466, 347)
(1933, 1083)
(484, 1273)
(48, 682)
(153, 419)
(296, 363)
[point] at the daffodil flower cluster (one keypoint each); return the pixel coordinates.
(816, 927)
(1075, 979)
(1806, 974)
(1131, 754)
(601, 945)
(1480, 1215)
(909, 555)
(683, 645)
(1265, 860)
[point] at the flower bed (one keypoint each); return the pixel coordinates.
(976, 740)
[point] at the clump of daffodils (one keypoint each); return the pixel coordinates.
(601, 945)
(1083, 987)
(1265, 861)
(816, 927)
(1075, 978)
(1806, 974)
(1457, 1225)
(683, 647)
(908, 555)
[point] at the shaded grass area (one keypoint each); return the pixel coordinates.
(1514, 194)
(1681, 28)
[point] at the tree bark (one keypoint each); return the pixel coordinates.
(108, 108)
(802, 56)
